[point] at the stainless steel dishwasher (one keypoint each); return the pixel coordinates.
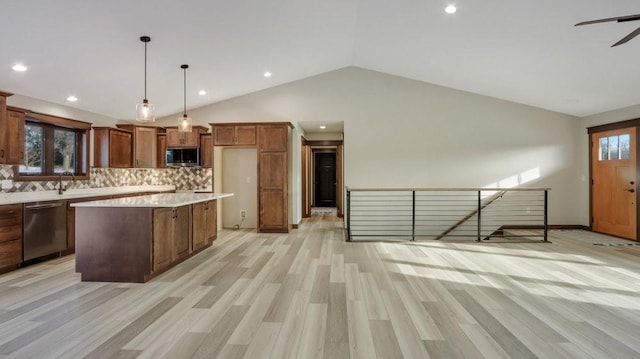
(45, 228)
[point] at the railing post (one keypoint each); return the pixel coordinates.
(479, 213)
(546, 225)
(413, 215)
(348, 215)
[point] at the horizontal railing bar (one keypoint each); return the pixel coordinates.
(462, 189)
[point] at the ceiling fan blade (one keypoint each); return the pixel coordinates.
(635, 33)
(618, 19)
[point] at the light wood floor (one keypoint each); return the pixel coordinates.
(310, 294)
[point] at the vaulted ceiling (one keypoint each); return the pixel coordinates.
(523, 51)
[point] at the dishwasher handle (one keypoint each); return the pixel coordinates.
(43, 206)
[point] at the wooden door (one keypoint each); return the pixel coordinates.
(199, 229)
(272, 191)
(162, 237)
(245, 135)
(120, 149)
(15, 140)
(211, 213)
(325, 179)
(181, 235)
(224, 135)
(614, 182)
(161, 155)
(145, 147)
(206, 150)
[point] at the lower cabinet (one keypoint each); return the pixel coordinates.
(10, 235)
(134, 244)
(205, 224)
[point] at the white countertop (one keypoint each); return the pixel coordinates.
(155, 200)
(25, 197)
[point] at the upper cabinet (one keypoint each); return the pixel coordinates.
(176, 138)
(144, 145)
(112, 147)
(225, 134)
(162, 149)
(11, 133)
(206, 150)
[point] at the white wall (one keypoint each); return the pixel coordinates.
(50, 108)
(405, 133)
(239, 176)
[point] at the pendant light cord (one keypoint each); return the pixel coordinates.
(145, 70)
(184, 67)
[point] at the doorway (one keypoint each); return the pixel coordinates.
(614, 182)
(321, 186)
(324, 182)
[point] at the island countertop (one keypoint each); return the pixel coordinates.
(160, 200)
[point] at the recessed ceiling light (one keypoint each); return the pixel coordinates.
(323, 127)
(202, 92)
(19, 68)
(267, 74)
(450, 9)
(72, 98)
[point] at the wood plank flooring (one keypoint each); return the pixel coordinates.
(310, 294)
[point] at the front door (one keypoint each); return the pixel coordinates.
(614, 182)
(325, 179)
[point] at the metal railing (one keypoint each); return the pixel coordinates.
(446, 213)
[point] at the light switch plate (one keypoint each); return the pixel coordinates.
(6, 184)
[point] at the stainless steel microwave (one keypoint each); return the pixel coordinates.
(182, 157)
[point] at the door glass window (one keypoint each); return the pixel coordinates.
(615, 147)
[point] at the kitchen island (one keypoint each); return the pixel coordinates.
(136, 238)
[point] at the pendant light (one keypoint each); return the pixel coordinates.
(184, 122)
(145, 112)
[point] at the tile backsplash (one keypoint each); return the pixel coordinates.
(183, 178)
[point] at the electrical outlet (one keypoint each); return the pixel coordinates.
(243, 213)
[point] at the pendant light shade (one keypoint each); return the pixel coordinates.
(145, 112)
(184, 122)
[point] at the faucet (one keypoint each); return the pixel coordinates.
(65, 173)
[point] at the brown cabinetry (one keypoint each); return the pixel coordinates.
(234, 134)
(134, 244)
(206, 150)
(10, 235)
(205, 226)
(144, 145)
(272, 142)
(171, 239)
(13, 150)
(162, 149)
(112, 147)
(273, 177)
(176, 138)
(11, 133)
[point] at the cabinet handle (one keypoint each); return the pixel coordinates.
(2, 153)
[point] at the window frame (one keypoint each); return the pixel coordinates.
(49, 124)
(619, 149)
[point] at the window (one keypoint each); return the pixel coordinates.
(52, 146)
(614, 147)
